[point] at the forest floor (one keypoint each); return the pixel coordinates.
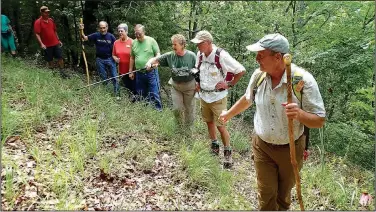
(64, 149)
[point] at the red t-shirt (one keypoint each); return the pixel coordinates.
(122, 50)
(47, 31)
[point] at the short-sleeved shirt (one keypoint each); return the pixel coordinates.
(270, 120)
(103, 44)
(180, 65)
(4, 24)
(47, 31)
(122, 50)
(210, 75)
(143, 51)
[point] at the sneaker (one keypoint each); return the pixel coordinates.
(215, 148)
(227, 164)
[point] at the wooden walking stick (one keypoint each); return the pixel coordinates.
(287, 61)
(83, 54)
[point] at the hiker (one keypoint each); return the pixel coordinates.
(180, 61)
(275, 175)
(7, 36)
(104, 42)
(147, 82)
(46, 34)
(213, 64)
(122, 54)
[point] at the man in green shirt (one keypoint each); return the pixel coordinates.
(147, 82)
(180, 61)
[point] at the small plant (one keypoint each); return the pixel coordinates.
(9, 185)
(105, 164)
(90, 140)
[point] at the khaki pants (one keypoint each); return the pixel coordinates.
(275, 175)
(183, 101)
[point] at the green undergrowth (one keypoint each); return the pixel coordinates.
(81, 126)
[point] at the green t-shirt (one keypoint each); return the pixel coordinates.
(180, 65)
(143, 51)
(4, 23)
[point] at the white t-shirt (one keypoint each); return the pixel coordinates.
(210, 75)
(270, 120)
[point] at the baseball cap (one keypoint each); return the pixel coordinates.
(275, 42)
(44, 9)
(202, 36)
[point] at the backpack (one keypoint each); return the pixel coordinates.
(297, 87)
(216, 61)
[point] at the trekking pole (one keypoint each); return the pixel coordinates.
(142, 69)
(287, 61)
(83, 54)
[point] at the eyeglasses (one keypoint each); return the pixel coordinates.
(102, 27)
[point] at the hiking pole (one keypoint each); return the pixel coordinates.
(287, 61)
(83, 54)
(142, 69)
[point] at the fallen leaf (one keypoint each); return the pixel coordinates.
(12, 138)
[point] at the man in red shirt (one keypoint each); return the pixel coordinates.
(45, 31)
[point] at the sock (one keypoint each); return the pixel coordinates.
(215, 142)
(227, 148)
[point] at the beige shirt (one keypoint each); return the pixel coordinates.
(210, 75)
(270, 120)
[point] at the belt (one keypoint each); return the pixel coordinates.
(209, 91)
(103, 58)
(281, 145)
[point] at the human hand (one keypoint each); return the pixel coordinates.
(197, 89)
(43, 46)
(117, 60)
(131, 76)
(224, 117)
(82, 26)
(292, 110)
(60, 44)
(221, 85)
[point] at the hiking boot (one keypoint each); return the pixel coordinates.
(227, 164)
(215, 148)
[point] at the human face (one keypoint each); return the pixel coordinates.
(204, 47)
(122, 33)
(45, 14)
(267, 61)
(139, 32)
(103, 28)
(177, 47)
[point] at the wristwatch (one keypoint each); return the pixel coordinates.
(229, 85)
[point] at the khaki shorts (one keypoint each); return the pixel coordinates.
(211, 111)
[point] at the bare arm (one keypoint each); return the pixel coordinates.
(40, 41)
(83, 36)
(237, 78)
(241, 105)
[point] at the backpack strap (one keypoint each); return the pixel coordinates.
(199, 61)
(260, 78)
(297, 85)
(216, 61)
